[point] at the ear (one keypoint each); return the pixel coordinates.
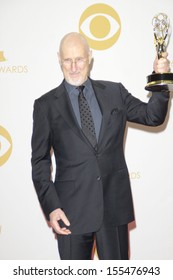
(59, 58)
(90, 56)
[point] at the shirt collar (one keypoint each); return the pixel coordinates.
(71, 89)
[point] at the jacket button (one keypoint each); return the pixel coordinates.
(98, 178)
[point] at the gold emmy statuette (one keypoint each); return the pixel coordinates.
(157, 82)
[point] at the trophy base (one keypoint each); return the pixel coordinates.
(158, 82)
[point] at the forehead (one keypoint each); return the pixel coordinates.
(73, 47)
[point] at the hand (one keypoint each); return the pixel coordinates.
(55, 216)
(162, 65)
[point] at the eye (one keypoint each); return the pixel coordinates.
(5, 145)
(101, 26)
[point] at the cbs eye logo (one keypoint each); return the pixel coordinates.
(101, 25)
(5, 145)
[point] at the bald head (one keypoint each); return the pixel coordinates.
(72, 39)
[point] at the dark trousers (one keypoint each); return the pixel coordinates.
(111, 243)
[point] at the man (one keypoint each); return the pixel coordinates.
(90, 197)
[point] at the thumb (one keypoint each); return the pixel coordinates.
(164, 54)
(63, 217)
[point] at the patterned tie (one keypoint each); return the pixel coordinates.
(86, 118)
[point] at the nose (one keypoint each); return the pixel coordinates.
(73, 65)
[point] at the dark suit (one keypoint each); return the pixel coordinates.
(90, 186)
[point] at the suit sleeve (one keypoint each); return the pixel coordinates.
(41, 161)
(152, 113)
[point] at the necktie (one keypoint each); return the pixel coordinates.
(86, 118)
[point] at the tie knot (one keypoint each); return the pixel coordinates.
(80, 89)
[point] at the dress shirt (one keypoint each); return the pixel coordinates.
(92, 101)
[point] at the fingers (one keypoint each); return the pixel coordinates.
(164, 54)
(55, 217)
(55, 225)
(63, 217)
(162, 65)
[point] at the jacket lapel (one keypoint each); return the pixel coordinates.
(64, 106)
(102, 98)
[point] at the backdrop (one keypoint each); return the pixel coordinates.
(120, 34)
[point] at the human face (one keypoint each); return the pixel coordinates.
(75, 60)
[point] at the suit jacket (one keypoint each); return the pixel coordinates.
(90, 186)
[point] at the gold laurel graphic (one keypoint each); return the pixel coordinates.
(2, 57)
(6, 155)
